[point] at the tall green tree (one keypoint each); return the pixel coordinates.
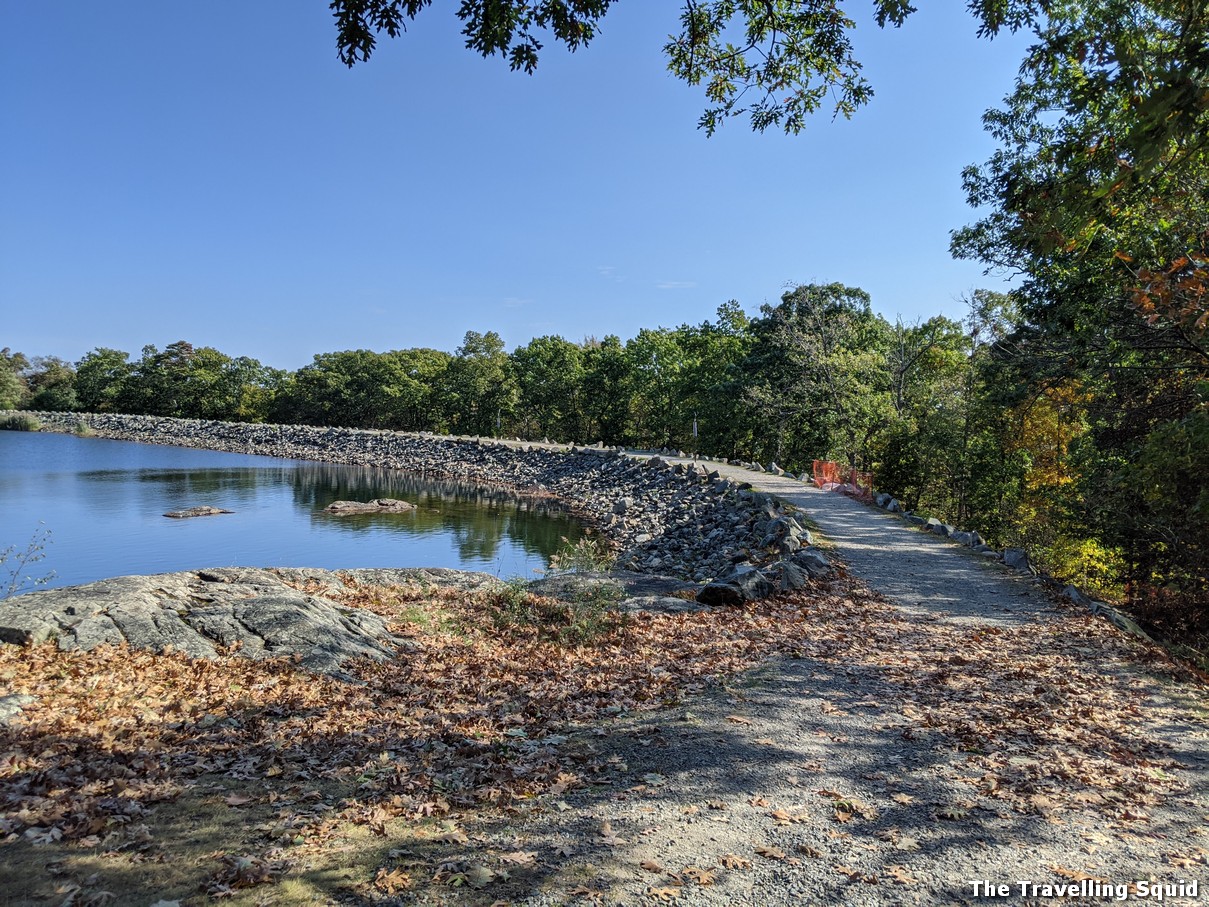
(51, 385)
(358, 388)
(549, 374)
(607, 389)
(418, 405)
(100, 379)
(12, 381)
(1098, 194)
(817, 377)
(480, 389)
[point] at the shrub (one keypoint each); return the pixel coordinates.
(586, 555)
(587, 614)
(20, 422)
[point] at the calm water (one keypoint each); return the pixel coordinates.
(103, 504)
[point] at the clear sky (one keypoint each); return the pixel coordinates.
(210, 172)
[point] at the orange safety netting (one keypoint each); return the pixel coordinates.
(829, 475)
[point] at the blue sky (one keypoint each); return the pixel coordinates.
(210, 172)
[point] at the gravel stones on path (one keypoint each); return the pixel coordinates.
(899, 759)
(955, 725)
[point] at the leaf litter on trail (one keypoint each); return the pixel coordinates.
(146, 728)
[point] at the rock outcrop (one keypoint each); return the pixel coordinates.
(199, 613)
(196, 511)
(378, 505)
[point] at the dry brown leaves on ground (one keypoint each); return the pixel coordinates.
(474, 714)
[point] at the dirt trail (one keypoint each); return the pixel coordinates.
(918, 571)
(958, 725)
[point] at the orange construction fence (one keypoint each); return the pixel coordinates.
(831, 476)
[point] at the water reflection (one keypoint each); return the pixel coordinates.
(103, 503)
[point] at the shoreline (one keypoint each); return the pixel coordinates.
(660, 518)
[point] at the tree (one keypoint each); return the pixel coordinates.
(777, 61)
(356, 388)
(12, 382)
(607, 383)
(549, 377)
(480, 390)
(1099, 195)
(51, 385)
(817, 375)
(417, 407)
(100, 377)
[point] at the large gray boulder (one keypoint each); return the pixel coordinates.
(1017, 559)
(198, 613)
(749, 580)
(720, 594)
(813, 561)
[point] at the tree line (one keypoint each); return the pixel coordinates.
(946, 413)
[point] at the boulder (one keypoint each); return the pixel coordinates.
(196, 511)
(12, 704)
(792, 577)
(1073, 594)
(750, 582)
(1017, 559)
(717, 594)
(379, 505)
(813, 561)
(938, 528)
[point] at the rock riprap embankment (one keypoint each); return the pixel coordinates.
(681, 520)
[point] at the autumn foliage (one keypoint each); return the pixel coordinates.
(477, 714)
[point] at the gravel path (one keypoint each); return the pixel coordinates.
(953, 724)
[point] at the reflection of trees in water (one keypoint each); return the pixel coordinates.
(232, 487)
(318, 484)
(478, 517)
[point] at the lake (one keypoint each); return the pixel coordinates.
(102, 504)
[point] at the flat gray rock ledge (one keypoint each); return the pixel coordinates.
(378, 505)
(196, 511)
(199, 612)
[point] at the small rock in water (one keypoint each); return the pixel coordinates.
(195, 511)
(379, 505)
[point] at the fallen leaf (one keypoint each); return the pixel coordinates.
(663, 893)
(733, 861)
(701, 876)
(479, 876)
(390, 881)
(520, 857)
(1075, 875)
(769, 851)
(652, 866)
(739, 719)
(901, 875)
